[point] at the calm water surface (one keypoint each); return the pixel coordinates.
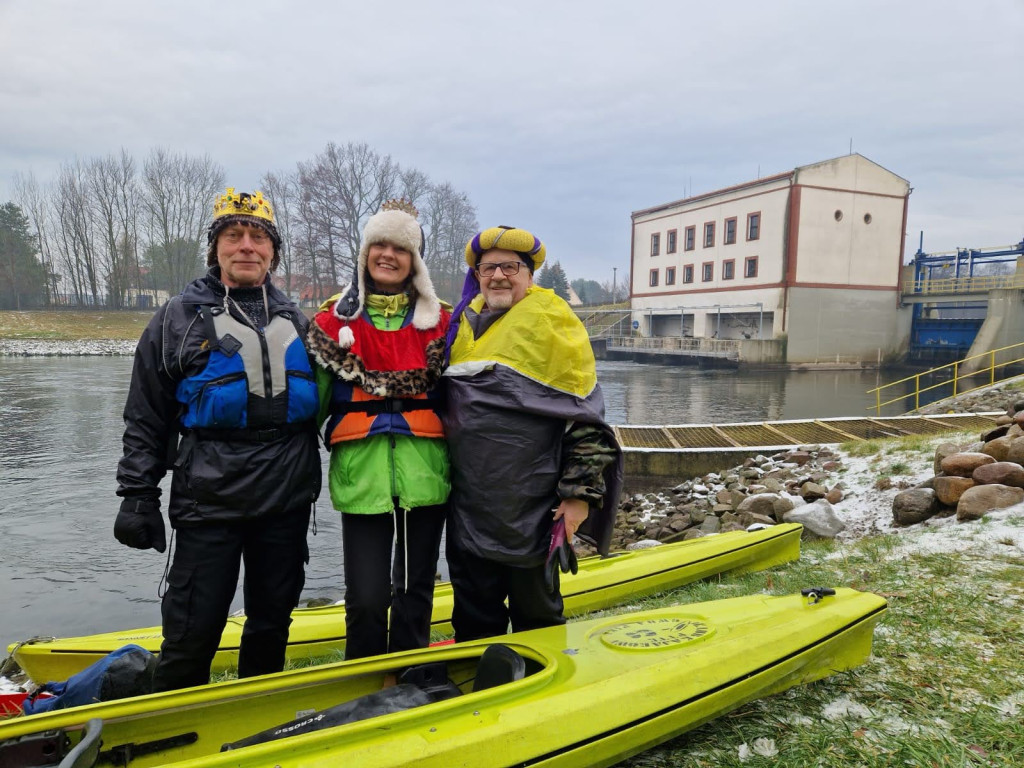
(61, 571)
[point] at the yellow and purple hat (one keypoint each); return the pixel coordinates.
(509, 239)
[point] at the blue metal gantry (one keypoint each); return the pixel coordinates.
(945, 328)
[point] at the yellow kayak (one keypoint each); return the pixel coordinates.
(318, 632)
(589, 693)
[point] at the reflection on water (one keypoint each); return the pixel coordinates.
(60, 440)
(663, 394)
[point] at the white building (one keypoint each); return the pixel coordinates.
(811, 256)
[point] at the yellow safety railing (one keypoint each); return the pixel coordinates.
(960, 376)
(975, 284)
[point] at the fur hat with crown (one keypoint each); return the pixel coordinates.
(395, 223)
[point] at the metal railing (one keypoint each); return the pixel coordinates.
(602, 323)
(963, 376)
(697, 347)
(974, 284)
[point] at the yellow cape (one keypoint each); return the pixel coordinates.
(539, 337)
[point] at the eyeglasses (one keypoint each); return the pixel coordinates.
(508, 268)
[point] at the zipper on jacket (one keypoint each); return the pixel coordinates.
(268, 389)
(394, 480)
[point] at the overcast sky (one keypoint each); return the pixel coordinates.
(560, 117)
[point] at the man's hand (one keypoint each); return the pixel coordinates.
(139, 524)
(575, 511)
(561, 557)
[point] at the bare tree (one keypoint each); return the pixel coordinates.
(281, 189)
(114, 206)
(340, 188)
(73, 227)
(450, 221)
(178, 192)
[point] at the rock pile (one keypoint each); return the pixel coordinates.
(971, 480)
(52, 348)
(790, 486)
(980, 401)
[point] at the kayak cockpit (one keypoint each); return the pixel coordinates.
(200, 722)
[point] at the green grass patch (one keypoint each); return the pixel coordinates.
(73, 325)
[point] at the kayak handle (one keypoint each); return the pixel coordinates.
(87, 750)
(817, 594)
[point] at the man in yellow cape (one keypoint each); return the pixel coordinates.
(533, 461)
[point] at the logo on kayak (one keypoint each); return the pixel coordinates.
(652, 634)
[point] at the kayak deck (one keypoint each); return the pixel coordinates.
(625, 683)
(319, 632)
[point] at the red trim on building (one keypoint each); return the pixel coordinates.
(760, 222)
(793, 234)
(682, 292)
(852, 191)
(690, 238)
(704, 235)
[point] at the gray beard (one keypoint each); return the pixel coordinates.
(503, 301)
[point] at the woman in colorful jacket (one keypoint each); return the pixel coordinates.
(380, 349)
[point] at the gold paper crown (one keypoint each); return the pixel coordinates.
(400, 204)
(233, 203)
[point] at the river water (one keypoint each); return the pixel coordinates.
(62, 573)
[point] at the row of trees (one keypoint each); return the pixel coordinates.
(111, 231)
(108, 230)
(587, 291)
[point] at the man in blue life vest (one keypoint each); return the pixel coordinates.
(533, 461)
(224, 367)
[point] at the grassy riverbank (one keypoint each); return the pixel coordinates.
(73, 325)
(945, 684)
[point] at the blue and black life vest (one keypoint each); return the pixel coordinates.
(257, 385)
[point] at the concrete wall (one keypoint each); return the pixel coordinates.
(855, 325)
(1003, 326)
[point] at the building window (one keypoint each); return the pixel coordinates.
(728, 269)
(750, 266)
(688, 273)
(670, 275)
(707, 271)
(709, 234)
(655, 244)
(689, 238)
(670, 243)
(753, 226)
(654, 278)
(730, 231)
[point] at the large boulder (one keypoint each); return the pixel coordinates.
(980, 499)
(998, 448)
(1015, 453)
(963, 464)
(818, 519)
(1000, 473)
(914, 505)
(942, 450)
(765, 504)
(949, 489)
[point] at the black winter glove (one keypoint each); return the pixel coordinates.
(560, 555)
(139, 524)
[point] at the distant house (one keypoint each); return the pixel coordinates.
(813, 254)
(302, 290)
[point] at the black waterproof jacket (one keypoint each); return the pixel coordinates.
(215, 479)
